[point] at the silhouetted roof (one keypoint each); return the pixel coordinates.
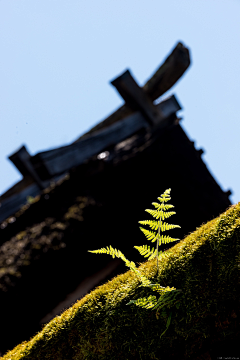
(138, 112)
(94, 203)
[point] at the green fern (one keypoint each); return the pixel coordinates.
(131, 264)
(159, 225)
(168, 296)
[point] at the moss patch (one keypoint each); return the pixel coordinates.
(205, 266)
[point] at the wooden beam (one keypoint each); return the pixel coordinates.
(62, 159)
(161, 81)
(172, 69)
(136, 98)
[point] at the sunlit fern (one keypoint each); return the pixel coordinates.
(159, 225)
(131, 264)
(168, 296)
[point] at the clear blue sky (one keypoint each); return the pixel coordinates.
(58, 56)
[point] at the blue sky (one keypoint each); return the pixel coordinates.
(58, 57)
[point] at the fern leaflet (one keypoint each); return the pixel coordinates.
(114, 252)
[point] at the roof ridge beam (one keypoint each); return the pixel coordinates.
(136, 98)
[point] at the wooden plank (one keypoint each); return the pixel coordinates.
(136, 98)
(161, 81)
(169, 106)
(172, 69)
(60, 160)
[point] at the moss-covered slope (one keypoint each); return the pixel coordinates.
(205, 265)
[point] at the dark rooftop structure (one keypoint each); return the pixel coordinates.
(91, 194)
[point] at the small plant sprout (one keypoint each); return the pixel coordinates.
(168, 296)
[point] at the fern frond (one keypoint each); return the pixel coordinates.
(165, 196)
(162, 206)
(167, 294)
(160, 213)
(161, 289)
(165, 226)
(146, 303)
(155, 224)
(167, 214)
(153, 236)
(164, 199)
(152, 223)
(110, 251)
(166, 192)
(150, 235)
(168, 298)
(145, 250)
(155, 213)
(131, 264)
(166, 239)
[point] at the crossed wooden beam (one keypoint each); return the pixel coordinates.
(137, 112)
(169, 72)
(137, 99)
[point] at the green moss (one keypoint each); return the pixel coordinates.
(205, 265)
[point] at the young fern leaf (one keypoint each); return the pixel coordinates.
(146, 303)
(167, 294)
(143, 302)
(160, 214)
(146, 251)
(155, 224)
(150, 235)
(162, 206)
(131, 264)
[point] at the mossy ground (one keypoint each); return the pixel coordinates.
(205, 266)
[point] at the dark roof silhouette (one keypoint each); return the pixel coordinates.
(138, 112)
(92, 194)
